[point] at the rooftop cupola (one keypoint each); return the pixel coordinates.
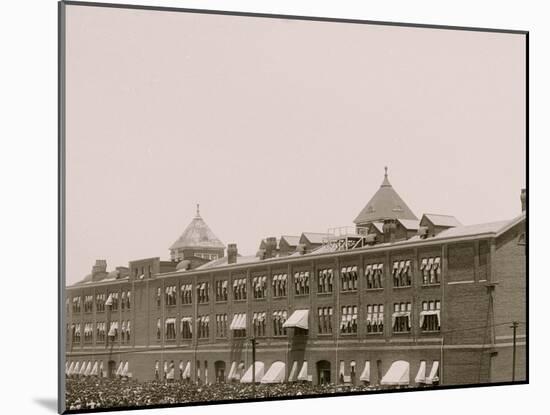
(197, 241)
(386, 204)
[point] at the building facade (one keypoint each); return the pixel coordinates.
(394, 301)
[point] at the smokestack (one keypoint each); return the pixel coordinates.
(523, 198)
(270, 247)
(232, 253)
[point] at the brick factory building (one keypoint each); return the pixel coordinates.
(395, 300)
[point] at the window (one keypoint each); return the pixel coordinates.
(401, 318)
(128, 330)
(374, 274)
(170, 328)
(431, 270)
(123, 329)
(170, 295)
(203, 289)
(279, 285)
(159, 294)
(348, 323)
(238, 325)
(258, 324)
(113, 331)
(239, 289)
(158, 329)
(76, 333)
(203, 323)
(348, 278)
(114, 301)
(279, 318)
(101, 332)
(76, 304)
(301, 283)
(100, 302)
(88, 332)
(325, 280)
(186, 293)
(259, 286)
(186, 327)
(221, 290)
(88, 303)
(402, 273)
(125, 301)
(375, 318)
(430, 315)
(325, 320)
(221, 325)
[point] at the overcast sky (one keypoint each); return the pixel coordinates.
(278, 127)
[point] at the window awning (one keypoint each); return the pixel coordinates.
(88, 370)
(238, 322)
(365, 375)
(82, 368)
(232, 371)
(109, 300)
(425, 313)
(259, 374)
(170, 374)
(293, 372)
(303, 376)
(421, 375)
(95, 369)
(187, 371)
(433, 377)
(275, 374)
(119, 370)
(397, 374)
(298, 319)
(400, 314)
(125, 369)
(76, 369)
(69, 369)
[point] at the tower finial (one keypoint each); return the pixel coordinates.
(386, 182)
(198, 210)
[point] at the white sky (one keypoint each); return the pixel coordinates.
(278, 127)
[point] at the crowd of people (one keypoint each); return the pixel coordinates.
(95, 393)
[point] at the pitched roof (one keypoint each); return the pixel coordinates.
(441, 220)
(409, 224)
(291, 240)
(385, 204)
(315, 237)
(223, 262)
(197, 235)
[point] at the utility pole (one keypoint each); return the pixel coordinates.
(514, 327)
(253, 343)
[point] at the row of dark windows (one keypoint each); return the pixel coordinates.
(402, 276)
(101, 300)
(429, 320)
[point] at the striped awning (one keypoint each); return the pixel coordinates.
(298, 319)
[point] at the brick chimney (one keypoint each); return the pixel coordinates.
(232, 253)
(100, 266)
(523, 198)
(270, 247)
